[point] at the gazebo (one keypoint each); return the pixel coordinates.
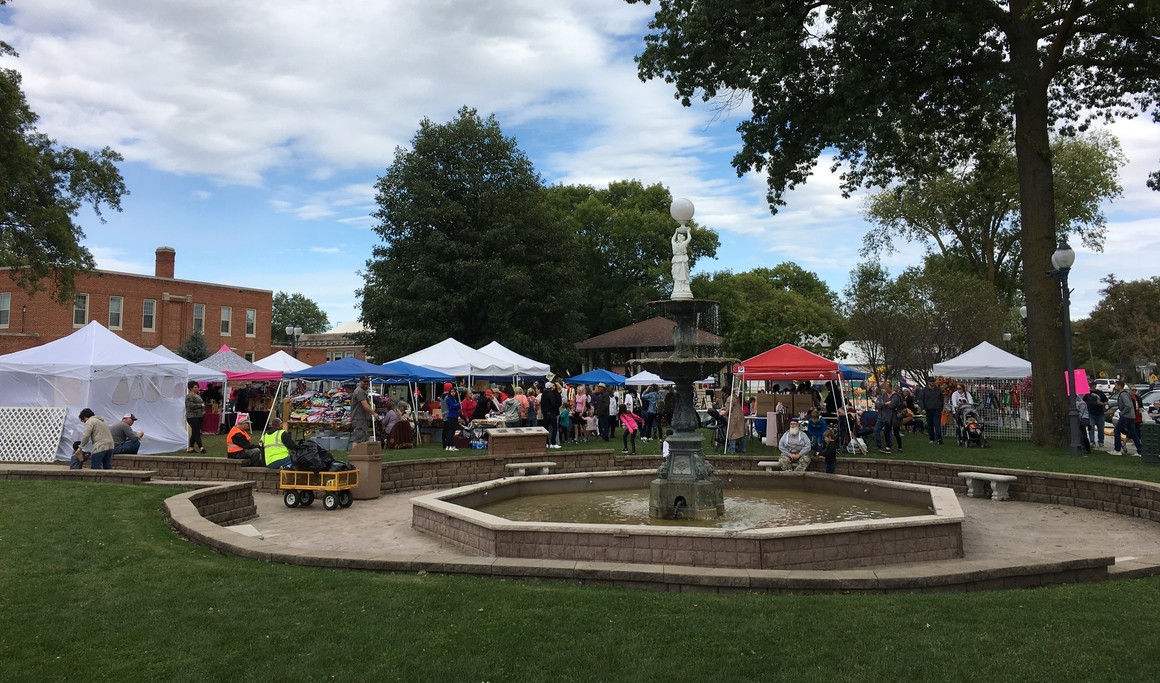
(652, 338)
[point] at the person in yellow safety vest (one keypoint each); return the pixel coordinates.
(278, 445)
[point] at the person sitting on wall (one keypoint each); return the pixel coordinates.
(125, 440)
(277, 445)
(238, 446)
(795, 448)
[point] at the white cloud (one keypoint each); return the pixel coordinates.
(115, 260)
(325, 250)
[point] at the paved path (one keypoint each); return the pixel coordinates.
(992, 530)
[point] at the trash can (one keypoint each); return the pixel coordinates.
(1150, 443)
(368, 460)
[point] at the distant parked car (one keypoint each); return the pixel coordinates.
(1104, 385)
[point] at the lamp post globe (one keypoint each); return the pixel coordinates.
(681, 210)
(1062, 260)
(293, 332)
(1064, 256)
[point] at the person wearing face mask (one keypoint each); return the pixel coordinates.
(795, 449)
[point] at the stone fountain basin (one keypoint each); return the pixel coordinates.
(937, 535)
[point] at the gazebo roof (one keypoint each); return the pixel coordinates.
(652, 333)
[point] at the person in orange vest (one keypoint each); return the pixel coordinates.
(238, 446)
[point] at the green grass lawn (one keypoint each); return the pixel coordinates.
(95, 586)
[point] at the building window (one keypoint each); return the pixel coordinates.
(148, 309)
(249, 355)
(350, 354)
(199, 318)
(251, 321)
(227, 318)
(116, 306)
(5, 308)
(81, 310)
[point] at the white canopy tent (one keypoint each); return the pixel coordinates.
(94, 368)
(985, 361)
(282, 361)
(453, 357)
(196, 372)
(644, 378)
(524, 366)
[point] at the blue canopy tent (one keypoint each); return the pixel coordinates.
(345, 369)
(850, 373)
(409, 372)
(598, 376)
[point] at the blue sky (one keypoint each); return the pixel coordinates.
(254, 131)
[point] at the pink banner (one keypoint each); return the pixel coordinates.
(1081, 382)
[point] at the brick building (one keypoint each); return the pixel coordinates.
(146, 310)
(325, 347)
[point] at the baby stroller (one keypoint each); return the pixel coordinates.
(970, 427)
(718, 424)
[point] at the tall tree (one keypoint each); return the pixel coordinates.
(874, 321)
(42, 188)
(623, 234)
(1125, 324)
(969, 217)
(904, 89)
(766, 307)
(470, 249)
(298, 310)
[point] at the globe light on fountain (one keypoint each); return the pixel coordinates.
(681, 210)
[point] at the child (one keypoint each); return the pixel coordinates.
(816, 426)
(565, 419)
(591, 428)
(665, 445)
(829, 450)
(632, 424)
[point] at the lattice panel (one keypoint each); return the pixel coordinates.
(30, 434)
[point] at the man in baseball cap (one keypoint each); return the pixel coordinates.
(125, 440)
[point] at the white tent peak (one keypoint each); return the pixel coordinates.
(196, 372)
(280, 360)
(523, 364)
(453, 357)
(985, 361)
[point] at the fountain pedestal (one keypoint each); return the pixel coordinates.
(685, 487)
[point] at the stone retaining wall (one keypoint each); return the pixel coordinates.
(29, 472)
(227, 504)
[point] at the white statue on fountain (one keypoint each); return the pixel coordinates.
(682, 211)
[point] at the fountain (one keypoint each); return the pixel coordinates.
(685, 486)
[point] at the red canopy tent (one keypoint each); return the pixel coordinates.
(789, 362)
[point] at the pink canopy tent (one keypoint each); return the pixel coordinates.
(237, 368)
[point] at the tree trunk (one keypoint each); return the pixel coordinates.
(1037, 213)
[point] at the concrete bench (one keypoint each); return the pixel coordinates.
(520, 469)
(977, 484)
(770, 465)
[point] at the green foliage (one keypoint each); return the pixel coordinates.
(766, 307)
(922, 317)
(194, 348)
(1125, 325)
(623, 248)
(296, 309)
(904, 90)
(42, 188)
(970, 217)
(470, 249)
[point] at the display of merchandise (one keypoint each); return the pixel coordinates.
(316, 407)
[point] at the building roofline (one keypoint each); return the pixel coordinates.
(163, 279)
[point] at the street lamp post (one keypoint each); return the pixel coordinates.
(293, 332)
(1062, 260)
(1007, 341)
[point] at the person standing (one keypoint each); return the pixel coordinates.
(930, 399)
(600, 403)
(550, 403)
(887, 405)
(361, 411)
(194, 413)
(449, 405)
(97, 433)
(736, 426)
(632, 423)
(510, 409)
(650, 398)
(125, 440)
(829, 450)
(1126, 424)
(1097, 405)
